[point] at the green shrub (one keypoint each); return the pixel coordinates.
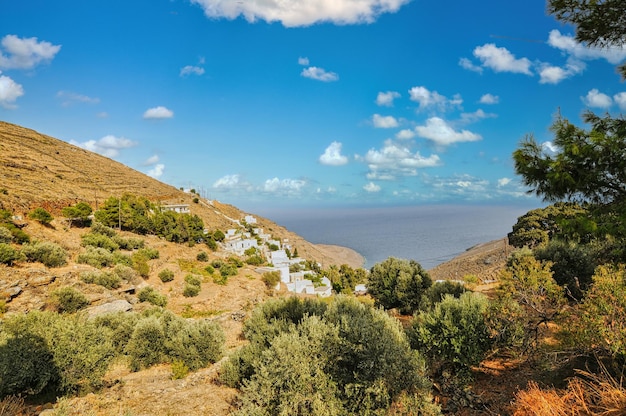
(217, 263)
(140, 265)
(78, 214)
(202, 256)
(255, 260)
(439, 290)
(67, 299)
(9, 255)
(196, 343)
(128, 243)
(271, 279)
(193, 280)
(179, 370)
(235, 261)
(110, 280)
(228, 270)
(125, 272)
(149, 253)
(191, 290)
(48, 253)
(96, 257)
(209, 269)
(99, 240)
(99, 228)
(41, 215)
(146, 346)
(120, 326)
(120, 258)
(148, 294)
(166, 275)
(19, 236)
(211, 244)
(5, 235)
(454, 334)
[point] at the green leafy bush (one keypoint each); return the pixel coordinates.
(96, 257)
(5, 235)
(217, 263)
(140, 265)
(149, 253)
(67, 299)
(193, 280)
(128, 243)
(9, 255)
(179, 370)
(195, 343)
(99, 228)
(41, 215)
(146, 346)
(107, 279)
(454, 334)
(99, 240)
(191, 290)
(271, 279)
(78, 214)
(48, 253)
(202, 256)
(122, 259)
(166, 275)
(148, 294)
(396, 283)
(439, 290)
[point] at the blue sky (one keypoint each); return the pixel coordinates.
(262, 103)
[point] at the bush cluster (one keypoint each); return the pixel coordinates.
(193, 285)
(107, 279)
(67, 299)
(48, 253)
(150, 295)
(166, 275)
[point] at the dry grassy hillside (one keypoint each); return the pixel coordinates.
(40, 171)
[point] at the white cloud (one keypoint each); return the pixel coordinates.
(69, 98)
(470, 66)
(428, 99)
(108, 146)
(395, 160)
(385, 99)
(371, 187)
(191, 70)
(303, 60)
(475, 116)
(228, 182)
(405, 134)
(157, 170)
(569, 45)
(293, 13)
(503, 182)
(319, 74)
(489, 99)
(549, 147)
(283, 186)
(151, 160)
(595, 98)
(25, 53)
(159, 112)
(332, 155)
(440, 132)
(550, 74)
(620, 99)
(9, 92)
(501, 60)
(384, 122)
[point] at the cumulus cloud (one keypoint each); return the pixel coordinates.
(151, 160)
(569, 45)
(503, 182)
(489, 99)
(283, 186)
(620, 99)
(25, 53)
(293, 13)
(463, 185)
(550, 74)
(332, 155)
(405, 134)
(371, 187)
(470, 66)
(395, 160)
(442, 134)
(476, 116)
(228, 182)
(157, 170)
(319, 74)
(595, 98)
(430, 99)
(191, 70)
(303, 60)
(108, 146)
(159, 112)
(385, 99)
(384, 122)
(68, 98)
(501, 60)
(9, 92)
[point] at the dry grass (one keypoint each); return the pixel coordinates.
(587, 394)
(11, 406)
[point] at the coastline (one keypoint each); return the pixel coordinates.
(343, 255)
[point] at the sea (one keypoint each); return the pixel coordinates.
(430, 234)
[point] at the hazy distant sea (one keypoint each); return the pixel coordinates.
(428, 234)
